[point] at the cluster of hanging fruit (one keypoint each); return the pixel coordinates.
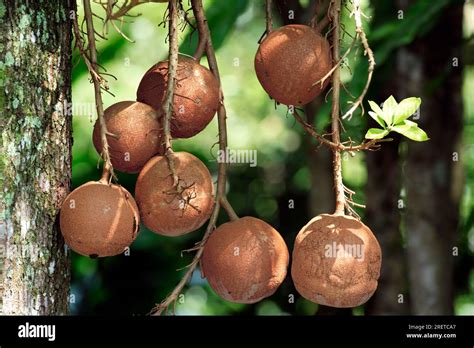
(336, 258)
(101, 219)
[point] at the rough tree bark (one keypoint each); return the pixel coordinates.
(432, 214)
(36, 63)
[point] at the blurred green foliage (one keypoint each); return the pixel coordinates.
(132, 284)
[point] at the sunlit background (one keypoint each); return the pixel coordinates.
(133, 284)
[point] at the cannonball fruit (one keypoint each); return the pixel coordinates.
(136, 135)
(98, 219)
(196, 96)
(288, 62)
(173, 211)
(245, 260)
(336, 261)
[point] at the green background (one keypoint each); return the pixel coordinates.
(133, 284)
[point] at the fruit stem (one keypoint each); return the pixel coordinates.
(228, 208)
(268, 16)
(337, 163)
(167, 107)
(105, 178)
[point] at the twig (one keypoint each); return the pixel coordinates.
(337, 164)
(357, 13)
(90, 57)
(366, 145)
(122, 10)
(167, 107)
(222, 167)
(321, 81)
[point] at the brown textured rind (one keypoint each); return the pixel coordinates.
(163, 211)
(99, 220)
(290, 60)
(196, 96)
(332, 279)
(138, 135)
(245, 260)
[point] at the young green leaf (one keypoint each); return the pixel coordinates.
(376, 133)
(411, 131)
(377, 118)
(405, 109)
(376, 108)
(389, 107)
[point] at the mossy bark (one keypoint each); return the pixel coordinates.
(35, 63)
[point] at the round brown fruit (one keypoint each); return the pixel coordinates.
(245, 260)
(174, 211)
(99, 220)
(336, 261)
(196, 97)
(136, 135)
(290, 60)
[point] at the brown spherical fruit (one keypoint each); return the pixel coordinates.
(196, 96)
(137, 135)
(290, 60)
(174, 211)
(336, 261)
(245, 260)
(99, 220)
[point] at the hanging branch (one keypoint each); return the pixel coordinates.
(203, 34)
(314, 18)
(357, 13)
(222, 169)
(89, 55)
(337, 163)
(167, 106)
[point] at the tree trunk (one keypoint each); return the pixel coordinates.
(36, 64)
(383, 188)
(383, 217)
(432, 214)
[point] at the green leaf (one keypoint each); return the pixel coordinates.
(374, 106)
(377, 118)
(376, 133)
(389, 107)
(411, 130)
(405, 109)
